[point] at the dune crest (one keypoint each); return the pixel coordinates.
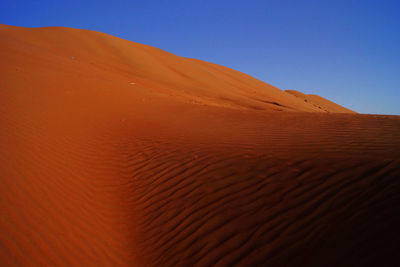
(153, 69)
(320, 102)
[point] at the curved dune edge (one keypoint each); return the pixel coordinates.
(320, 102)
(104, 164)
(151, 69)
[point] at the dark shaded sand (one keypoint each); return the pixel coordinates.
(116, 153)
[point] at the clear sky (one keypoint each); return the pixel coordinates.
(345, 50)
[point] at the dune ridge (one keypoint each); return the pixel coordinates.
(150, 68)
(115, 153)
(320, 102)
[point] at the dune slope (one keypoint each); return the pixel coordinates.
(144, 67)
(320, 102)
(119, 154)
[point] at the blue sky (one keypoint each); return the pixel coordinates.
(345, 50)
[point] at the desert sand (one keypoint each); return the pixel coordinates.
(115, 153)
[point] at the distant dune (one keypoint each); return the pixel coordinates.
(115, 153)
(146, 68)
(320, 102)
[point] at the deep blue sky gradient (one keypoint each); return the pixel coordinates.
(345, 50)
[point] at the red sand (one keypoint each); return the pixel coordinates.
(320, 102)
(117, 153)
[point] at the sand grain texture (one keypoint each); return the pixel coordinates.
(115, 153)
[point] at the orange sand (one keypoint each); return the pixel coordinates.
(320, 102)
(116, 153)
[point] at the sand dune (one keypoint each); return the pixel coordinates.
(98, 55)
(115, 153)
(320, 102)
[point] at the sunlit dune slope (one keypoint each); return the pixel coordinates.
(114, 153)
(149, 68)
(320, 102)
